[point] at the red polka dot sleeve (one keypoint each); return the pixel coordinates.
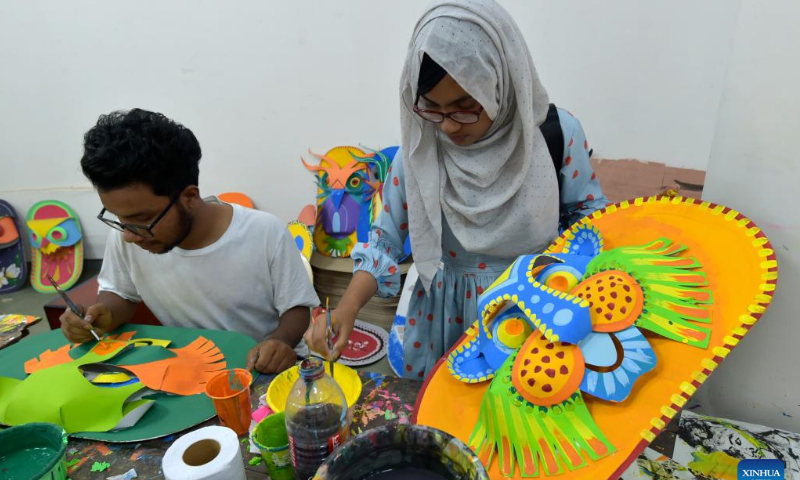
(381, 256)
(581, 193)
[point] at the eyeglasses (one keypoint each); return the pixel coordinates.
(465, 117)
(145, 231)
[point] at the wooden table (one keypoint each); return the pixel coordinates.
(384, 399)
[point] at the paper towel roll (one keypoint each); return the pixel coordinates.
(211, 453)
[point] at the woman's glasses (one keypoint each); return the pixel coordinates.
(465, 117)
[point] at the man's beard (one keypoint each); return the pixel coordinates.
(185, 224)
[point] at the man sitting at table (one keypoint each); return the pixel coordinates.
(194, 263)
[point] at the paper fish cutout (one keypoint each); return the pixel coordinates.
(349, 185)
(95, 395)
(56, 245)
(544, 396)
(13, 267)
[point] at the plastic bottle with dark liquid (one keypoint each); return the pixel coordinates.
(316, 418)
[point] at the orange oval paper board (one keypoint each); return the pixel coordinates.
(742, 274)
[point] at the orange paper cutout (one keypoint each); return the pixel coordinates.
(546, 373)
(617, 300)
(49, 358)
(184, 374)
(237, 198)
(8, 230)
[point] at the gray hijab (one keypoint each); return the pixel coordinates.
(499, 195)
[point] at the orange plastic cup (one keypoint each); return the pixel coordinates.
(230, 392)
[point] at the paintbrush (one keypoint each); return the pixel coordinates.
(329, 334)
(71, 305)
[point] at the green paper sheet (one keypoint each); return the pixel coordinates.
(62, 395)
(170, 413)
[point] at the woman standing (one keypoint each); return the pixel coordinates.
(474, 184)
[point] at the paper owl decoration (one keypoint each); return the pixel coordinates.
(13, 268)
(349, 198)
(589, 349)
(56, 245)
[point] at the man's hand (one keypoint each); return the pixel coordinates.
(271, 356)
(98, 316)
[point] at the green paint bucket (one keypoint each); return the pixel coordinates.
(34, 451)
(270, 437)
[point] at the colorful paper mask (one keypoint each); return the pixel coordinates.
(569, 340)
(56, 246)
(13, 268)
(347, 182)
(90, 394)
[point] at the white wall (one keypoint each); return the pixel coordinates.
(755, 169)
(259, 82)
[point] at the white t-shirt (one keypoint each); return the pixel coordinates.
(242, 282)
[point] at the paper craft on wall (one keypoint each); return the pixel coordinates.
(349, 184)
(13, 267)
(238, 198)
(56, 245)
(567, 342)
(89, 394)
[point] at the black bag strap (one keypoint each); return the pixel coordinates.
(554, 137)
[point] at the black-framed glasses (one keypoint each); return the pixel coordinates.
(465, 117)
(145, 231)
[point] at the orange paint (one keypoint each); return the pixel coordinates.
(572, 454)
(697, 335)
(528, 467)
(486, 455)
(78, 465)
(733, 266)
(507, 455)
(106, 346)
(698, 295)
(691, 312)
(597, 446)
(514, 327)
(548, 458)
(676, 262)
(102, 449)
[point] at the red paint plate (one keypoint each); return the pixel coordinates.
(366, 345)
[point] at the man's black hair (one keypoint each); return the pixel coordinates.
(139, 146)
